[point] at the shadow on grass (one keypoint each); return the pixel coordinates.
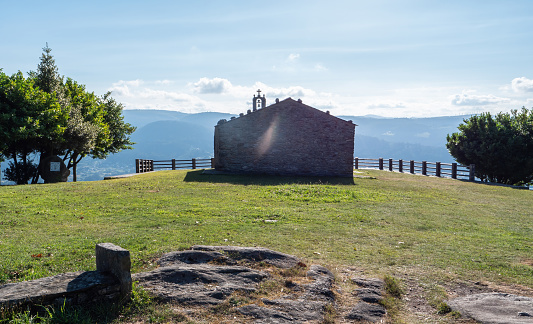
(496, 184)
(262, 180)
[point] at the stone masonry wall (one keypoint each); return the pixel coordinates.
(287, 138)
(110, 282)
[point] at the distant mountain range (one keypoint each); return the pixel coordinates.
(166, 135)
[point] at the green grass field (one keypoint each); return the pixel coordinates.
(432, 229)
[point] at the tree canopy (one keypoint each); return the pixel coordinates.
(44, 115)
(501, 147)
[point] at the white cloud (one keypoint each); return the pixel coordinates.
(270, 92)
(423, 135)
(388, 133)
(522, 84)
(387, 105)
(164, 82)
(123, 87)
(215, 85)
(295, 91)
(136, 96)
(319, 67)
(293, 57)
(466, 98)
(219, 94)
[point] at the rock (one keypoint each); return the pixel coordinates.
(194, 257)
(321, 288)
(285, 311)
(376, 284)
(317, 271)
(494, 308)
(369, 295)
(367, 312)
(253, 254)
(199, 284)
(265, 315)
(297, 309)
(206, 275)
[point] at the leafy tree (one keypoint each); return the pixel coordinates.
(501, 147)
(45, 115)
(85, 125)
(29, 119)
(118, 131)
(96, 126)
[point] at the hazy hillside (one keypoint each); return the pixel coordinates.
(423, 131)
(169, 134)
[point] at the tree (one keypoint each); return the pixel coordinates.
(47, 77)
(44, 116)
(97, 128)
(29, 119)
(501, 147)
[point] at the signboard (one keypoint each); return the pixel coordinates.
(55, 166)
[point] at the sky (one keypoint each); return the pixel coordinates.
(389, 58)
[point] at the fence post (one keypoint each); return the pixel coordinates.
(412, 166)
(381, 163)
(400, 165)
(212, 163)
(471, 175)
(193, 164)
(454, 170)
(173, 164)
(137, 164)
(424, 167)
(437, 171)
(356, 163)
(390, 164)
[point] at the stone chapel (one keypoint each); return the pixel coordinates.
(285, 138)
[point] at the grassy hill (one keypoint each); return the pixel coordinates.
(434, 234)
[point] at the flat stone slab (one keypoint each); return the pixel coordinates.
(367, 312)
(194, 257)
(285, 311)
(253, 254)
(49, 288)
(495, 308)
(199, 284)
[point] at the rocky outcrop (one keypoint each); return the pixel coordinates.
(199, 284)
(209, 275)
(495, 308)
(370, 294)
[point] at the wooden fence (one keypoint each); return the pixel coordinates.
(152, 165)
(438, 169)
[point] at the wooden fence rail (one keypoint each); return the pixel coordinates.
(438, 169)
(152, 165)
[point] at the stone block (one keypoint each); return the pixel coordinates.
(113, 259)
